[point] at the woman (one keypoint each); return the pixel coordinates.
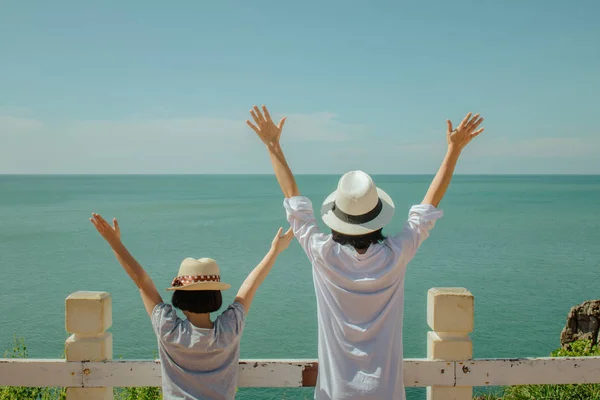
(199, 357)
(358, 273)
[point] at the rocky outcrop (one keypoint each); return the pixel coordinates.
(583, 322)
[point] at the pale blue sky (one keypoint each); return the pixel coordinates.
(164, 87)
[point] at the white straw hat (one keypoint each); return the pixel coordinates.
(357, 207)
(201, 274)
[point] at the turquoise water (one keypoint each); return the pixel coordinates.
(526, 246)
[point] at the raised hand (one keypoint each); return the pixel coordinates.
(265, 128)
(281, 242)
(112, 234)
(465, 132)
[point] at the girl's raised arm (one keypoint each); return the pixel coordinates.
(112, 235)
(246, 293)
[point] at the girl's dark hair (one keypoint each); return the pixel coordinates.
(197, 301)
(359, 242)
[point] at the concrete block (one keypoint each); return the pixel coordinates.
(449, 393)
(89, 348)
(89, 394)
(88, 313)
(450, 310)
(449, 349)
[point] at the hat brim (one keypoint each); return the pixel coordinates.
(384, 217)
(202, 286)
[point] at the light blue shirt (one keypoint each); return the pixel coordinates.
(199, 363)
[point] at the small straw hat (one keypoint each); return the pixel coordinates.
(201, 274)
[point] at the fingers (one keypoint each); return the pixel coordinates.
(100, 223)
(267, 115)
(251, 125)
(472, 120)
(449, 123)
(258, 132)
(468, 123)
(286, 238)
(261, 118)
(116, 225)
(477, 132)
(281, 123)
(255, 117)
(288, 235)
(96, 220)
(258, 113)
(464, 122)
(475, 123)
(99, 219)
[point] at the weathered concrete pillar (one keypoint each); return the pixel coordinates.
(450, 315)
(88, 317)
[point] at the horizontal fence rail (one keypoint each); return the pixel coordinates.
(303, 373)
(88, 371)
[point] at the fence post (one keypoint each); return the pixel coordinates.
(450, 315)
(88, 316)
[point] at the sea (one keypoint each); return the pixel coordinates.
(527, 247)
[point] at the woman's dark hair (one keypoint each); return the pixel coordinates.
(359, 242)
(197, 301)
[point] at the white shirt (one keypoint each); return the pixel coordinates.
(360, 304)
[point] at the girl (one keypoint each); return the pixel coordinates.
(199, 357)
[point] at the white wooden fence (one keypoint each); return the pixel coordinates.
(448, 371)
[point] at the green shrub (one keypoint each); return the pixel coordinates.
(19, 350)
(581, 348)
(138, 393)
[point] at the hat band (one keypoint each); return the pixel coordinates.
(358, 219)
(187, 279)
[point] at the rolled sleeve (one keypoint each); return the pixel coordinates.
(424, 216)
(164, 319)
(233, 318)
(421, 220)
(299, 207)
(301, 216)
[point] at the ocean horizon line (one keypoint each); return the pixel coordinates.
(296, 174)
